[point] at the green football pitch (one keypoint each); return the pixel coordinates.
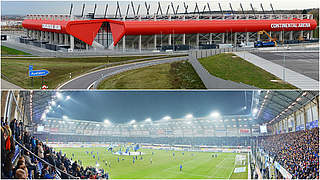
(165, 165)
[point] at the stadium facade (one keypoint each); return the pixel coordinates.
(150, 32)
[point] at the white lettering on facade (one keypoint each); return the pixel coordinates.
(51, 26)
(291, 25)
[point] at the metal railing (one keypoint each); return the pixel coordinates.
(57, 170)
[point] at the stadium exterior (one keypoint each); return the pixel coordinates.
(149, 32)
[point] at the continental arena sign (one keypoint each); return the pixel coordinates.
(291, 25)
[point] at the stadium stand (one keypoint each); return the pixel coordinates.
(36, 159)
(298, 152)
(209, 141)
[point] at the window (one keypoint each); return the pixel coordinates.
(315, 113)
(309, 114)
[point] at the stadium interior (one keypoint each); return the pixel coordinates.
(262, 134)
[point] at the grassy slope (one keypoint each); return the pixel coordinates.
(230, 67)
(199, 166)
(9, 51)
(177, 75)
(17, 69)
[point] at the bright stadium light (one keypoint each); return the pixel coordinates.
(215, 114)
(59, 95)
(107, 122)
(43, 117)
(148, 120)
(166, 118)
(64, 117)
(189, 116)
(53, 103)
(255, 110)
(67, 98)
(132, 122)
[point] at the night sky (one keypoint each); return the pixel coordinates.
(124, 106)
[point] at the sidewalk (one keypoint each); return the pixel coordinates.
(300, 81)
(212, 82)
(5, 85)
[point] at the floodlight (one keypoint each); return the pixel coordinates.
(58, 95)
(68, 97)
(148, 120)
(53, 103)
(107, 122)
(189, 116)
(132, 122)
(215, 114)
(255, 110)
(166, 118)
(64, 117)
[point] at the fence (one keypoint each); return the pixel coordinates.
(211, 52)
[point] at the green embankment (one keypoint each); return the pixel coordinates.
(176, 75)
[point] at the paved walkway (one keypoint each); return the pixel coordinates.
(212, 82)
(5, 85)
(301, 81)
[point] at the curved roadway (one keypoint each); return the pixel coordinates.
(91, 79)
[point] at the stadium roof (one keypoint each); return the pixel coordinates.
(124, 106)
(277, 105)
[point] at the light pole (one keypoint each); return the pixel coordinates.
(284, 68)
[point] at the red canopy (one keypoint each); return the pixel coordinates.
(86, 30)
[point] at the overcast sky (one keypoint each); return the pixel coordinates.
(124, 106)
(10, 7)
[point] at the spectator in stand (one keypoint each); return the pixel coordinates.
(40, 150)
(31, 166)
(8, 151)
(20, 174)
(45, 174)
(13, 127)
(298, 152)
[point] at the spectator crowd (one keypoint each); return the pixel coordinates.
(37, 160)
(297, 152)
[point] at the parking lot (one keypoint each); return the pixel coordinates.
(303, 62)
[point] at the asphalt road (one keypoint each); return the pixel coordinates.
(303, 62)
(90, 79)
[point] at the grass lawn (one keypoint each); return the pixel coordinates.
(176, 75)
(231, 67)
(16, 69)
(164, 165)
(9, 51)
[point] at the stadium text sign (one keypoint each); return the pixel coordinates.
(291, 25)
(51, 26)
